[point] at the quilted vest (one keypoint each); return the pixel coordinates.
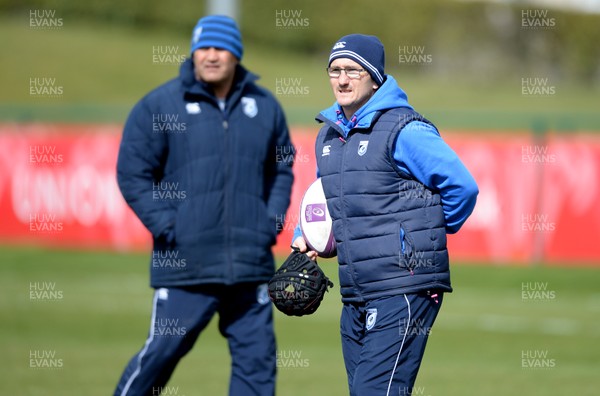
(389, 227)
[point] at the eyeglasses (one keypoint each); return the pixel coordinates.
(335, 72)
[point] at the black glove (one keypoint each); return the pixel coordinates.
(298, 286)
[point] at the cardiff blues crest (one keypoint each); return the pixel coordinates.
(362, 147)
(249, 107)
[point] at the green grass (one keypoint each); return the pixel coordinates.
(104, 69)
(475, 347)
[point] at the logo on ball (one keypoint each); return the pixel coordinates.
(315, 212)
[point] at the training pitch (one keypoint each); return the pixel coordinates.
(71, 320)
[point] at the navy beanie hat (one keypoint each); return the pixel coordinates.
(218, 31)
(365, 50)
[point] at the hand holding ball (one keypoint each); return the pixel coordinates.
(315, 222)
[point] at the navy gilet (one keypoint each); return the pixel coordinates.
(389, 227)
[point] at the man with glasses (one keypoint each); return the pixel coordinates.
(394, 189)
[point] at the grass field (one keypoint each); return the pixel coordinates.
(98, 316)
(105, 69)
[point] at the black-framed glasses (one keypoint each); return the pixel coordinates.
(335, 72)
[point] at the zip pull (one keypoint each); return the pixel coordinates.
(342, 139)
(433, 296)
(225, 125)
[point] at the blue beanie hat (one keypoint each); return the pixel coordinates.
(365, 50)
(218, 31)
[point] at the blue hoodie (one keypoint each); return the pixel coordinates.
(419, 151)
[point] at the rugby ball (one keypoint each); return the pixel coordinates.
(315, 221)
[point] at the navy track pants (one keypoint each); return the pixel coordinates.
(383, 342)
(178, 317)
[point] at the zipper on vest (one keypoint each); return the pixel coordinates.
(406, 245)
(341, 197)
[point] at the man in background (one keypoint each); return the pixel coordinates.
(198, 166)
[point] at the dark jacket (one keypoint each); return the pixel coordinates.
(210, 185)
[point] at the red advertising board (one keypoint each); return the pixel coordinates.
(537, 199)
